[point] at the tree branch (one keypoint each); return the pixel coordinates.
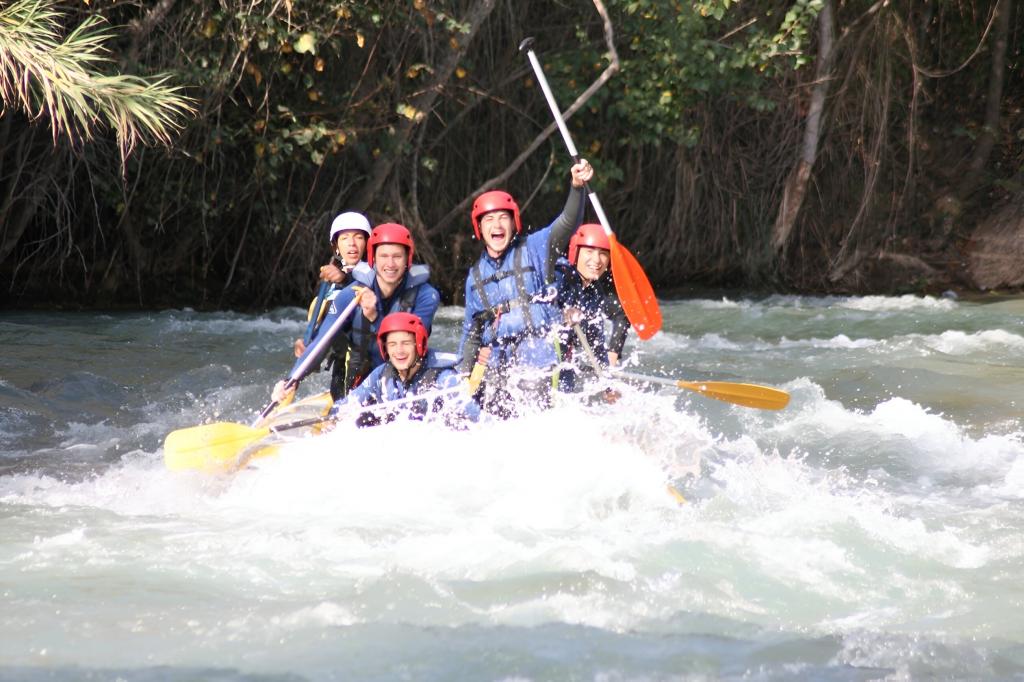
(609, 71)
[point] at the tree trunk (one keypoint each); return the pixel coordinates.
(796, 184)
(997, 76)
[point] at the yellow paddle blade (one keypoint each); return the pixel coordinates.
(748, 395)
(209, 447)
(676, 495)
(476, 376)
(634, 291)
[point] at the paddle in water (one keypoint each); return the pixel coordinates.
(226, 446)
(747, 395)
(194, 447)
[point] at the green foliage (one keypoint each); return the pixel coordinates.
(299, 105)
(281, 89)
(675, 57)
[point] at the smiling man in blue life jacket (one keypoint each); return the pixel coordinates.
(409, 369)
(587, 297)
(389, 284)
(348, 234)
(510, 307)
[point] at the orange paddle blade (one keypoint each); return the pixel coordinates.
(634, 291)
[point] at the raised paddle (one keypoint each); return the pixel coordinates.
(224, 446)
(631, 284)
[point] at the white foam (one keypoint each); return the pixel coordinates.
(955, 342)
(1012, 486)
(895, 429)
(324, 614)
(862, 303)
(898, 303)
(839, 341)
(719, 342)
(722, 304)
(232, 324)
(542, 471)
(450, 313)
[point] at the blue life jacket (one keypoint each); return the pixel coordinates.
(437, 372)
(317, 309)
(414, 294)
(509, 301)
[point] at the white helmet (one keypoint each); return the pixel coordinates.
(349, 220)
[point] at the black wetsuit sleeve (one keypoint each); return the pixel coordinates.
(562, 228)
(471, 346)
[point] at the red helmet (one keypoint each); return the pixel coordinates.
(402, 322)
(388, 233)
(590, 234)
(495, 201)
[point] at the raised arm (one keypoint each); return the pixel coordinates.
(570, 218)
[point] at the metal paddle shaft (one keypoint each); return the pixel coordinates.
(313, 354)
(591, 356)
(747, 395)
(631, 284)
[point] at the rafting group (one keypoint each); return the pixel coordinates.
(544, 311)
(533, 303)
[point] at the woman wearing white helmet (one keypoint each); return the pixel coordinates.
(348, 234)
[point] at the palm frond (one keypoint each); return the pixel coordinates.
(47, 75)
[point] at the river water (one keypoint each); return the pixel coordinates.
(873, 529)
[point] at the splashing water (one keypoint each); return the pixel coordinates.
(872, 529)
